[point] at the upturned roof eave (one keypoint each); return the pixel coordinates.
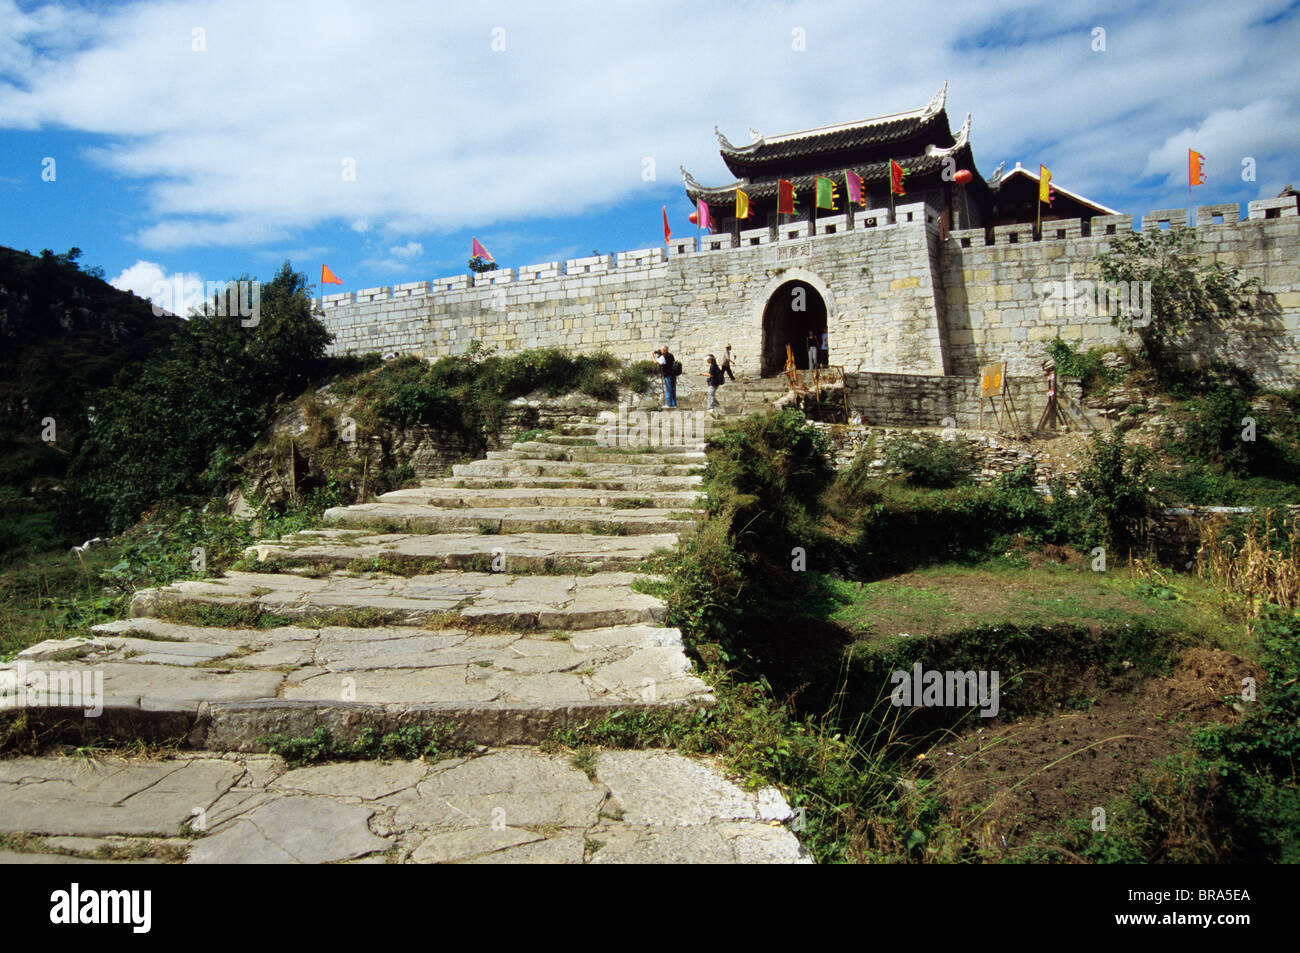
(1081, 199)
(752, 154)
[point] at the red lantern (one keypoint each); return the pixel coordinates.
(694, 218)
(962, 177)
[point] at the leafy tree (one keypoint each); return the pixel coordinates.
(1184, 290)
(479, 264)
(70, 257)
(290, 342)
(1114, 489)
(207, 395)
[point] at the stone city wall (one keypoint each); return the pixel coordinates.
(901, 299)
(1002, 290)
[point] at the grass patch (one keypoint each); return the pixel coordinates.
(948, 598)
(606, 529)
(632, 503)
(414, 742)
(220, 616)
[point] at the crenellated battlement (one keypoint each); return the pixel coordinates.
(635, 264)
(1104, 227)
(1004, 287)
(899, 297)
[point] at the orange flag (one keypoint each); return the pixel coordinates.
(1195, 168)
(328, 277)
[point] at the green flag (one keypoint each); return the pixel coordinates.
(826, 194)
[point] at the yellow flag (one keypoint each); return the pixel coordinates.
(742, 204)
(1044, 184)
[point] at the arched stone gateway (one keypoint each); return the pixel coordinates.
(794, 303)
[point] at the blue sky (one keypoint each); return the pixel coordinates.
(212, 138)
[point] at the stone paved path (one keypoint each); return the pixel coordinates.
(507, 805)
(497, 602)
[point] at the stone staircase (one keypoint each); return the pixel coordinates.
(497, 604)
(745, 395)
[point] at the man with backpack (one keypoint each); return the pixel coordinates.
(671, 370)
(715, 379)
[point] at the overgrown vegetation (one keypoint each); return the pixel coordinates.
(59, 595)
(1183, 291)
(469, 394)
(426, 742)
(1093, 374)
(177, 426)
(932, 462)
(65, 335)
(845, 753)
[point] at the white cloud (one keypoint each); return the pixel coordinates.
(150, 280)
(246, 142)
(408, 251)
(1226, 137)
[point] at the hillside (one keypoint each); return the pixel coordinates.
(64, 333)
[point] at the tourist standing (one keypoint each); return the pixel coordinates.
(826, 349)
(726, 362)
(715, 379)
(812, 350)
(667, 367)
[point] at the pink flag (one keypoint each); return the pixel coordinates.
(706, 220)
(478, 251)
(853, 185)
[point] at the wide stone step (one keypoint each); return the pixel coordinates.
(597, 520)
(548, 452)
(523, 552)
(493, 599)
(565, 440)
(628, 483)
(506, 804)
(557, 468)
(528, 496)
(228, 688)
(610, 443)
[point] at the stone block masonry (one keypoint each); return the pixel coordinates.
(900, 299)
(998, 293)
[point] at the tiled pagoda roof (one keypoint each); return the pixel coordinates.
(931, 160)
(771, 154)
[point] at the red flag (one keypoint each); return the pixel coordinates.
(785, 197)
(328, 277)
(896, 173)
(668, 235)
(478, 251)
(706, 220)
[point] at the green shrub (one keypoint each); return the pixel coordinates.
(931, 462)
(771, 468)
(1114, 487)
(639, 376)
(1212, 432)
(856, 486)
(1087, 366)
(468, 395)
(1258, 756)
(174, 428)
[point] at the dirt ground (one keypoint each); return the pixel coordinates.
(1016, 783)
